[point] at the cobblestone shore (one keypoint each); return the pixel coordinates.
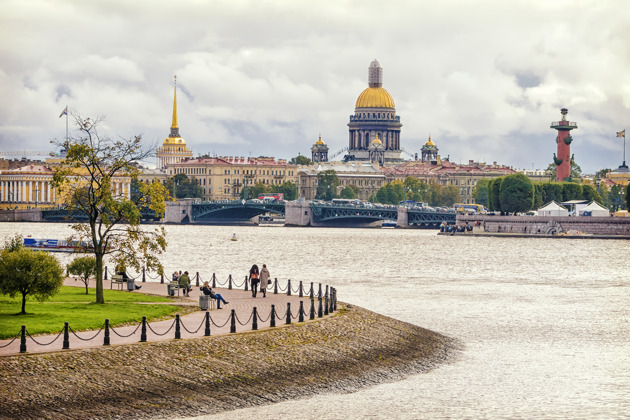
(341, 353)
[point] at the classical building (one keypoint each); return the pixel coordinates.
(224, 178)
(174, 148)
(319, 151)
(364, 175)
(429, 151)
(374, 116)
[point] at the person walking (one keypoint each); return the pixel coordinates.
(184, 283)
(254, 279)
(264, 280)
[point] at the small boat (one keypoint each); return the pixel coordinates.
(389, 224)
(234, 237)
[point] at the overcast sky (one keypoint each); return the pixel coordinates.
(483, 78)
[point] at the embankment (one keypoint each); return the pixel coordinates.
(342, 353)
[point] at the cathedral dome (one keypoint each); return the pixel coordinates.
(174, 141)
(375, 97)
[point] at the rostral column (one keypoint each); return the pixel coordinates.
(564, 139)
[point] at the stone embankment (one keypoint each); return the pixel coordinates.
(341, 353)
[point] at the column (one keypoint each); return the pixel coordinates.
(48, 192)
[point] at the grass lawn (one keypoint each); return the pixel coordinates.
(71, 304)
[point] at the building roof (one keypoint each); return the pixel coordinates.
(40, 169)
(375, 97)
(231, 160)
(418, 168)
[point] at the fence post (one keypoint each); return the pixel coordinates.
(66, 337)
(301, 316)
(23, 339)
(319, 310)
(319, 294)
(326, 291)
(207, 333)
(178, 333)
(143, 333)
(288, 312)
(233, 320)
(255, 319)
(335, 299)
(289, 287)
(326, 304)
(311, 293)
(301, 294)
(197, 283)
(330, 300)
(214, 280)
(105, 273)
(246, 289)
(275, 287)
(162, 278)
(312, 314)
(106, 336)
(144, 275)
(230, 282)
(272, 317)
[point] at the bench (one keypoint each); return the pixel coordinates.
(206, 302)
(118, 280)
(171, 287)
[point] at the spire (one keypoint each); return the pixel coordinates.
(174, 127)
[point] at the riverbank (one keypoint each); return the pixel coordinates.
(343, 353)
(528, 235)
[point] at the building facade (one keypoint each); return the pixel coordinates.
(374, 116)
(367, 177)
(174, 147)
(224, 178)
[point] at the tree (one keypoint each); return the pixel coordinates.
(494, 189)
(628, 196)
(435, 194)
(575, 173)
(450, 195)
(93, 162)
(253, 192)
(300, 160)
(351, 191)
(590, 193)
(516, 194)
(29, 272)
(327, 183)
(180, 186)
(538, 195)
(416, 189)
(571, 191)
(480, 192)
(288, 189)
(552, 191)
(84, 267)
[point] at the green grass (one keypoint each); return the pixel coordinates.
(71, 304)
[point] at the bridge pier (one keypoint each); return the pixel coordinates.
(403, 217)
(179, 211)
(298, 214)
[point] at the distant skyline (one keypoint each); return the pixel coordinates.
(484, 78)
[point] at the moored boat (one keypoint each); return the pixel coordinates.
(53, 245)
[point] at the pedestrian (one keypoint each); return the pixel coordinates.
(254, 279)
(175, 276)
(207, 290)
(184, 283)
(264, 280)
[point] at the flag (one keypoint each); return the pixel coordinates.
(64, 112)
(621, 134)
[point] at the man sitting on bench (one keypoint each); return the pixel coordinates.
(122, 271)
(208, 292)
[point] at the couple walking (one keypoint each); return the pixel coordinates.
(261, 277)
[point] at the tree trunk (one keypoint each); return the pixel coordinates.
(99, 278)
(86, 285)
(23, 304)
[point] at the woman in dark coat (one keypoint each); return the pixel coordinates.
(254, 279)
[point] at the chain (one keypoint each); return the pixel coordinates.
(86, 339)
(167, 331)
(125, 336)
(246, 322)
(47, 344)
(10, 342)
(220, 326)
(192, 332)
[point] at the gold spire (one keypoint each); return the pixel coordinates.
(318, 142)
(174, 125)
(430, 143)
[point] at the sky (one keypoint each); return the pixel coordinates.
(264, 78)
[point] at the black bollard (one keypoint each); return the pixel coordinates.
(144, 275)
(66, 336)
(214, 280)
(105, 273)
(326, 291)
(106, 336)
(289, 287)
(311, 292)
(197, 283)
(246, 289)
(255, 319)
(319, 310)
(326, 304)
(330, 301)
(233, 321)
(178, 332)
(207, 333)
(312, 315)
(275, 287)
(288, 313)
(335, 300)
(301, 294)
(23, 339)
(143, 333)
(272, 317)
(230, 282)
(162, 278)
(301, 316)
(319, 294)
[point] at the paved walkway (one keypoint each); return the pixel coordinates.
(239, 300)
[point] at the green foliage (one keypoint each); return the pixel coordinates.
(494, 189)
(73, 306)
(84, 267)
(327, 183)
(29, 273)
(180, 186)
(300, 160)
(538, 195)
(93, 163)
(480, 192)
(288, 188)
(516, 194)
(14, 243)
(571, 191)
(617, 197)
(590, 193)
(450, 195)
(628, 196)
(575, 173)
(351, 191)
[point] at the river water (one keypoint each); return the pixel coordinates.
(545, 322)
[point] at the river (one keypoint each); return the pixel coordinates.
(545, 322)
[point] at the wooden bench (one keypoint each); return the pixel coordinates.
(118, 280)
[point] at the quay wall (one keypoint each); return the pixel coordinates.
(549, 225)
(21, 215)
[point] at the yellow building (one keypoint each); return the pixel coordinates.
(224, 178)
(174, 148)
(27, 187)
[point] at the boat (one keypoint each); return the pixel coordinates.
(54, 245)
(270, 221)
(389, 224)
(234, 237)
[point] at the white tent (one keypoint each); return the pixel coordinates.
(553, 209)
(596, 210)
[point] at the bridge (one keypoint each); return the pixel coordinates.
(236, 210)
(62, 214)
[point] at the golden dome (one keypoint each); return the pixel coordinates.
(375, 97)
(429, 143)
(174, 141)
(319, 142)
(377, 140)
